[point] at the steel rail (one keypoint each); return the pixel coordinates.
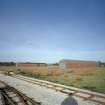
(26, 98)
(12, 96)
(85, 94)
(7, 99)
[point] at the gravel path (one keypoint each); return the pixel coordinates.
(44, 95)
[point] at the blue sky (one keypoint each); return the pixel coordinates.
(51, 30)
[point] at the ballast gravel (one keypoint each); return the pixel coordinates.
(44, 95)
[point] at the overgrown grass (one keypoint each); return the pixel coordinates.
(92, 80)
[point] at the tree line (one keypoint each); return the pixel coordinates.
(101, 64)
(7, 63)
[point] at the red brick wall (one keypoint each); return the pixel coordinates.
(79, 64)
(29, 65)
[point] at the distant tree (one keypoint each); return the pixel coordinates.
(99, 63)
(103, 64)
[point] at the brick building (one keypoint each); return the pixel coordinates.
(69, 64)
(31, 64)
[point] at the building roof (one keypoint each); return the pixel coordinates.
(68, 60)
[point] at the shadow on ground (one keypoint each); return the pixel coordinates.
(69, 101)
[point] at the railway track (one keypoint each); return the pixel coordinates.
(10, 96)
(84, 94)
